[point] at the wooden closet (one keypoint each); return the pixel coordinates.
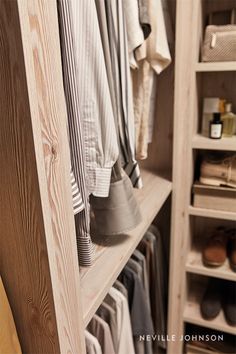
(195, 80)
(51, 298)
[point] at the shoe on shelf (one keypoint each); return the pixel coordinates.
(229, 302)
(215, 251)
(232, 249)
(217, 172)
(211, 302)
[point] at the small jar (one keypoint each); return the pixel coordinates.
(216, 127)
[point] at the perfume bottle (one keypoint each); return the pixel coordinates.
(229, 121)
(216, 127)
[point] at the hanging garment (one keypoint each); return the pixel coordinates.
(139, 312)
(135, 33)
(141, 260)
(75, 128)
(78, 204)
(144, 17)
(92, 344)
(152, 247)
(108, 314)
(119, 286)
(119, 212)
(123, 89)
(141, 347)
(119, 303)
(153, 56)
(100, 329)
(9, 342)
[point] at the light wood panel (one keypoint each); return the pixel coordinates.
(113, 252)
(185, 106)
(210, 213)
(24, 263)
(195, 265)
(224, 144)
(40, 35)
(216, 66)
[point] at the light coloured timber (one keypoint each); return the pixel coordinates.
(185, 108)
(114, 251)
(42, 59)
(211, 213)
(205, 143)
(216, 66)
(193, 315)
(195, 265)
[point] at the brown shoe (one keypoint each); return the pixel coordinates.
(232, 249)
(215, 251)
(217, 172)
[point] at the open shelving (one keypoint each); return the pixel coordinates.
(193, 315)
(112, 252)
(215, 66)
(211, 213)
(194, 264)
(225, 144)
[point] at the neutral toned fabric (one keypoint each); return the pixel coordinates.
(141, 346)
(78, 204)
(9, 342)
(119, 212)
(108, 314)
(144, 17)
(92, 344)
(100, 329)
(153, 56)
(95, 102)
(141, 321)
(120, 304)
(119, 286)
(135, 33)
(123, 89)
(75, 128)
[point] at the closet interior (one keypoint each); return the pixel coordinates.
(52, 298)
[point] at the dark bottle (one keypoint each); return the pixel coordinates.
(216, 127)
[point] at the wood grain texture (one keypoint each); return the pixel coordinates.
(224, 144)
(40, 35)
(185, 108)
(24, 263)
(216, 66)
(113, 252)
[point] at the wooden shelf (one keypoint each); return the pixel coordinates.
(202, 142)
(193, 315)
(216, 66)
(195, 265)
(210, 213)
(112, 253)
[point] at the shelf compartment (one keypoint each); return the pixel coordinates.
(195, 265)
(216, 66)
(192, 312)
(113, 252)
(210, 213)
(224, 144)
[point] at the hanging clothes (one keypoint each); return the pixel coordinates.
(92, 344)
(101, 330)
(75, 129)
(108, 314)
(152, 57)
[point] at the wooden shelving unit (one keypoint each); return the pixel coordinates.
(195, 265)
(211, 213)
(194, 81)
(224, 144)
(193, 315)
(113, 252)
(217, 66)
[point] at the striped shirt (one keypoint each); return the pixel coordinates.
(70, 72)
(123, 89)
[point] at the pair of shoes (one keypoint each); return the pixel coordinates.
(219, 171)
(218, 246)
(219, 294)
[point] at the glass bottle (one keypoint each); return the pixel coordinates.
(229, 121)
